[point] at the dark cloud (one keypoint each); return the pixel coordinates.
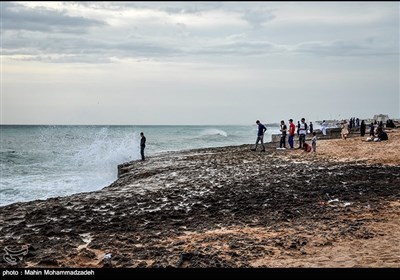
(59, 38)
(63, 49)
(19, 17)
(258, 17)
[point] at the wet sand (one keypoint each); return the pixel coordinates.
(226, 207)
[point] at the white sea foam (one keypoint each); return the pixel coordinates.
(58, 161)
(213, 131)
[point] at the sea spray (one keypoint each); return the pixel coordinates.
(213, 131)
(38, 162)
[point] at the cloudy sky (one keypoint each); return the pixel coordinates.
(197, 62)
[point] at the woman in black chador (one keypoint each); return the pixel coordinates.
(362, 128)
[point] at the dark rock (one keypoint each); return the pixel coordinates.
(217, 188)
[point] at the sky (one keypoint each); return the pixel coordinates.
(196, 63)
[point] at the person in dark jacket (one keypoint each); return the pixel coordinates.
(142, 144)
(371, 130)
(283, 129)
(260, 136)
(298, 128)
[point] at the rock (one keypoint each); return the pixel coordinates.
(153, 219)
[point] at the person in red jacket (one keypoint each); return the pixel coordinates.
(291, 130)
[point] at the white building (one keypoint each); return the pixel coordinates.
(381, 117)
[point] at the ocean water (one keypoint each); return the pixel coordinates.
(38, 162)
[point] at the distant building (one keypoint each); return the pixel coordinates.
(381, 118)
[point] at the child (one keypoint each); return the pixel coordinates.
(306, 147)
(314, 142)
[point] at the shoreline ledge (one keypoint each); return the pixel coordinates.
(225, 207)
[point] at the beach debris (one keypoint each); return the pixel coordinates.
(321, 203)
(107, 260)
(337, 202)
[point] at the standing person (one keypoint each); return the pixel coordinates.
(283, 135)
(371, 129)
(323, 127)
(260, 135)
(391, 124)
(292, 128)
(298, 128)
(362, 128)
(302, 132)
(314, 142)
(142, 144)
(311, 128)
(345, 129)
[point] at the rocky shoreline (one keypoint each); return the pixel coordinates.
(218, 207)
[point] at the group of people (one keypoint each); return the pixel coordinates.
(302, 129)
(390, 123)
(354, 122)
(376, 132)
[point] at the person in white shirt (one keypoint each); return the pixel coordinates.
(324, 125)
(302, 133)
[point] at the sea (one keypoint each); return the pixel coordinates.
(43, 161)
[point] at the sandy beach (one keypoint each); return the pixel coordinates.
(128, 135)
(226, 207)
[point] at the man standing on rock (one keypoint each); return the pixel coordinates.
(142, 144)
(260, 135)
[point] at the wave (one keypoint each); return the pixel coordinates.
(213, 132)
(49, 161)
(63, 161)
(104, 150)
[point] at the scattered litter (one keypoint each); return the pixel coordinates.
(107, 260)
(333, 200)
(339, 203)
